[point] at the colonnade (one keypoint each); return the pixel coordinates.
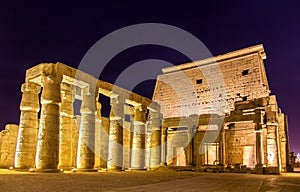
(47, 139)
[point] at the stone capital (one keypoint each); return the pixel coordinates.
(31, 88)
(140, 114)
(30, 99)
(51, 93)
(117, 107)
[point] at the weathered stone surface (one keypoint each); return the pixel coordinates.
(65, 134)
(8, 145)
(104, 134)
(75, 134)
(225, 103)
(115, 145)
(217, 113)
(155, 141)
(86, 141)
(28, 127)
(47, 154)
(222, 84)
(138, 149)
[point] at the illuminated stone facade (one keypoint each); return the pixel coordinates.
(51, 138)
(229, 119)
(216, 113)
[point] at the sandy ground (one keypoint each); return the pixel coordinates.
(135, 181)
(101, 181)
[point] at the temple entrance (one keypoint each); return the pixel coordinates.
(178, 139)
(211, 154)
(248, 156)
(180, 158)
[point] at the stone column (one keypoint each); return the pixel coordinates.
(259, 148)
(278, 149)
(272, 146)
(104, 133)
(86, 141)
(148, 147)
(4, 149)
(127, 132)
(155, 149)
(283, 142)
(8, 148)
(98, 128)
(138, 138)
(65, 136)
(48, 136)
(75, 135)
(164, 147)
(115, 145)
(222, 146)
(28, 128)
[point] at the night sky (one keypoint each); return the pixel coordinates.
(34, 32)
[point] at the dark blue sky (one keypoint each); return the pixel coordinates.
(34, 32)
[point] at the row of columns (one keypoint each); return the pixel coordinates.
(49, 146)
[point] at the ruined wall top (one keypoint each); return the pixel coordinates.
(61, 73)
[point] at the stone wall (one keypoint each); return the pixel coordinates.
(239, 139)
(212, 87)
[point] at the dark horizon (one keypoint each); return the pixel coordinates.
(38, 32)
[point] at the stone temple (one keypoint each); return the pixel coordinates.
(213, 114)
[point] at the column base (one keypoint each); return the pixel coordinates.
(115, 169)
(33, 170)
(153, 168)
(84, 170)
(100, 168)
(66, 168)
(21, 169)
(137, 169)
(259, 169)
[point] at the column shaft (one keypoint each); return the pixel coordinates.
(155, 150)
(115, 146)
(98, 143)
(28, 127)
(86, 142)
(48, 136)
(138, 138)
(138, 147)
(148, 147)
(104, 141)
(164, 145)
(66, 115)
(222, 146)
(259, 148)
(75, 136)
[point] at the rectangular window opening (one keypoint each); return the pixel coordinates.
(199, 81)
(245, 72)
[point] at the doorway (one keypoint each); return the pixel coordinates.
(180, 158)
(248, 156)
